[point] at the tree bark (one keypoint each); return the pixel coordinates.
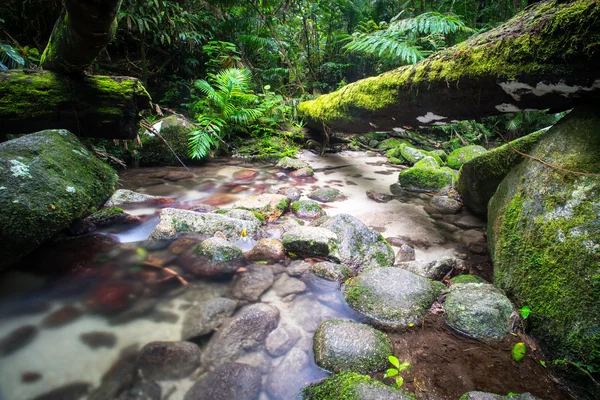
(88, 106)
(83, 30)
(546, 57)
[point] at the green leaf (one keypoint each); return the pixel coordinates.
(399, 381)
(518, 351)
(394, 361)
(405, 365)
(525, 312)
(391, 372)
(543, 363)
(12, 53)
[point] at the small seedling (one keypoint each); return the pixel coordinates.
(524, 311)
(395, 372)
(543, 363)
(518, 351)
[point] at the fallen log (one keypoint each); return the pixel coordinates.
(546, 57)
(89, 106)
(84, 28)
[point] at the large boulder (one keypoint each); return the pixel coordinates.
(480, 177)
(460, 156)
(414, 155)
(343, 345)
(174, 222)
(311, 241)
(544, 238)
(392, 298)
(350, 385)
(426, 176)
(175, 130)
(359, 246)
(478, 310)
(47, 179)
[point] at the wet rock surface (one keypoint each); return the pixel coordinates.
(249, 285)
(435, 270)
(229, 381)
(478, 310)
(343, 345)
(307, 209)
(391, 297)
(332, 271)
(124, 196)
(326, 195)
(289, 376)
(168, 360)
(311, 241)
(271, 206)
(281, 340)
(354, 386)
(266, 249)
(203, 318)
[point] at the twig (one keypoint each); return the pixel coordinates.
(151, 129)
(168, 271)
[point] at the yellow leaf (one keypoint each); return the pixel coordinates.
(244, 233)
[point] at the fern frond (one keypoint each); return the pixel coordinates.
(431, 22)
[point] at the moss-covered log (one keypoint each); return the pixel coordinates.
(89, 106)
(546, 57)
(84, 28)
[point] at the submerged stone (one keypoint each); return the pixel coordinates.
(229, 381)
(168, 360)
(460, 156)
(249, 285)
(47, 179)
(203, 318)
(287, 378)
(391, 297)
(478, 310)
(343, 345)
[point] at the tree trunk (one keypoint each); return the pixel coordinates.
(88, 106)
(546, 57)
(82, 31)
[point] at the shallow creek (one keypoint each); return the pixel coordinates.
(81, 306)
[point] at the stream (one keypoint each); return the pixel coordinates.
(77, 311)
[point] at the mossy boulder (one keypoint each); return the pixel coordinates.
(291, 163)
(332, 271)
(343, 345)
(175, 130)
(426, 176)
(478, 310)
(458, 157)
(392, 298)
(492, 396)
(480, 177)
(271, 206)
(326, 195)
(311, 241)
(218, 250)
(307, 209)
(359, 246)
(544, 238)
(413, 155)
(350, 385)
(441, 154)
(47, 179)
(390, 143)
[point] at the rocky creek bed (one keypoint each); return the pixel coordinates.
(146, 308)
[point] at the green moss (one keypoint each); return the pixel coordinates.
(572, 27)
(426, 175)
(465, 278)
(460, 156)
(391, 143)
(258, 215)
(343, 386)
(107, 215)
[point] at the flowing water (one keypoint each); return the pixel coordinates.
(80, 306)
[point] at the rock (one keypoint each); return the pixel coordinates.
(445, 205)
(245, 215)
(302, 173)
(480, 177)
(309, 312)
(414, 155)
(460, 156)
(390, 297)
(17, 339)
(142, 391)
(435, 270)
(124, 196)
(378, 197)
(288, 377)
(332, 271)
(286, 285)
(406, 253)
(47, 179)
(266, 250)
(203, 318)
(96, 340)
(465, 278)
(446, 226)
(311, 242)
(174, 221)
(245, 174)
(214, 257)
(298, 268)
(202, 208)
(175, 130)
(360, 247)
(291, 163)
(71, 391)
(168, 360)
(107, 216)
(281, 340)
(80, 227)
(271, 206)
(227, 382)
(307, 209)
(246, 331)
(440, 153)
(469, 222)
(354, 386)
(291, 193)
(249, 285)
(326, 195)
(61, 317)
(390, 143)
(343, 345)
(175, 176)
(426, 176)
(491, 396)
(111, 297)
(478, 310)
